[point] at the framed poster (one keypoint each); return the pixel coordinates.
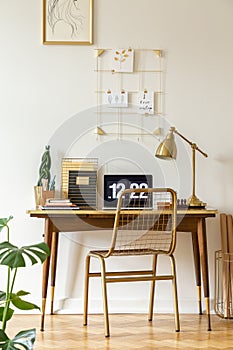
(67, 22)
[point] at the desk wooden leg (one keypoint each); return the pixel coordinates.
(197, 265)
(201, 228)
(48, 241)
(53, 266)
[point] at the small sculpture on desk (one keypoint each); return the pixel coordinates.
(44, 189)
(182, 203)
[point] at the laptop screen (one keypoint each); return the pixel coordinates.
(115, 184)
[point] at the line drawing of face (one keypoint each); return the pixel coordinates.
(66, 11)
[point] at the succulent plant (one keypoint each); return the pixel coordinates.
(44, 170)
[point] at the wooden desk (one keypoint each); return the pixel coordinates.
(192, 220)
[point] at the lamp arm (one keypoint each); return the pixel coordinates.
(193, 145)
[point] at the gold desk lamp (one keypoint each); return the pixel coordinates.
(167, 150)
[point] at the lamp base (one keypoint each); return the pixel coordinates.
(195, 202)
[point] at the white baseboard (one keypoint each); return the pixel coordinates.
(127, 306)
(75, 306)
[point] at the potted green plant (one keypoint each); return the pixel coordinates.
(14, 258)
(45, 187)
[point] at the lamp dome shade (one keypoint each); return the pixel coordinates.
(167, 148)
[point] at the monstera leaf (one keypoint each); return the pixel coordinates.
(17, 301)
(14, 257)
(22, 304)
(9, 314)
(24, 339)
(4, 222)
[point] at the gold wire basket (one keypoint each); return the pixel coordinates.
(223, 298)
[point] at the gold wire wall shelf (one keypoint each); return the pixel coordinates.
(143, 75)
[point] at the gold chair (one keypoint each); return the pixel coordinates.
(145, 224)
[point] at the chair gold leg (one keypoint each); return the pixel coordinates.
(105, 300)
(86, 287)
(207, 301)
(199, 299)
(174, 284)
(152, 289)
(52, 299)
(43, 314)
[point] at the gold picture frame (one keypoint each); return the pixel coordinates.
(67, 22)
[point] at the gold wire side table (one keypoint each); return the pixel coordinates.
(223, 295)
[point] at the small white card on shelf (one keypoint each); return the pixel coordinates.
(123, 60)
(146, 102)
(116, 99)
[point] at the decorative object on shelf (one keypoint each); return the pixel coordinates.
(67, 22)
(157, 132)
(146, 102)
(116, 99)
(14, 258)
(99, 131)
(167, 150)
(79, 181)
(45, 187)
(123, 60)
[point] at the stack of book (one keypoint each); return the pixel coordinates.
(58, 203)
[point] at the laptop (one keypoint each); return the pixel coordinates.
(115, 184)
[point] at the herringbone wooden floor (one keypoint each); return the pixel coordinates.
(66, 332)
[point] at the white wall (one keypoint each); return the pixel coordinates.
(43, 87)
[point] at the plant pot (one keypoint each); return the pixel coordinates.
(47, 195)
(38, 196)
(41, 196)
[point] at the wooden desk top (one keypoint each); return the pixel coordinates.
(106, 213)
